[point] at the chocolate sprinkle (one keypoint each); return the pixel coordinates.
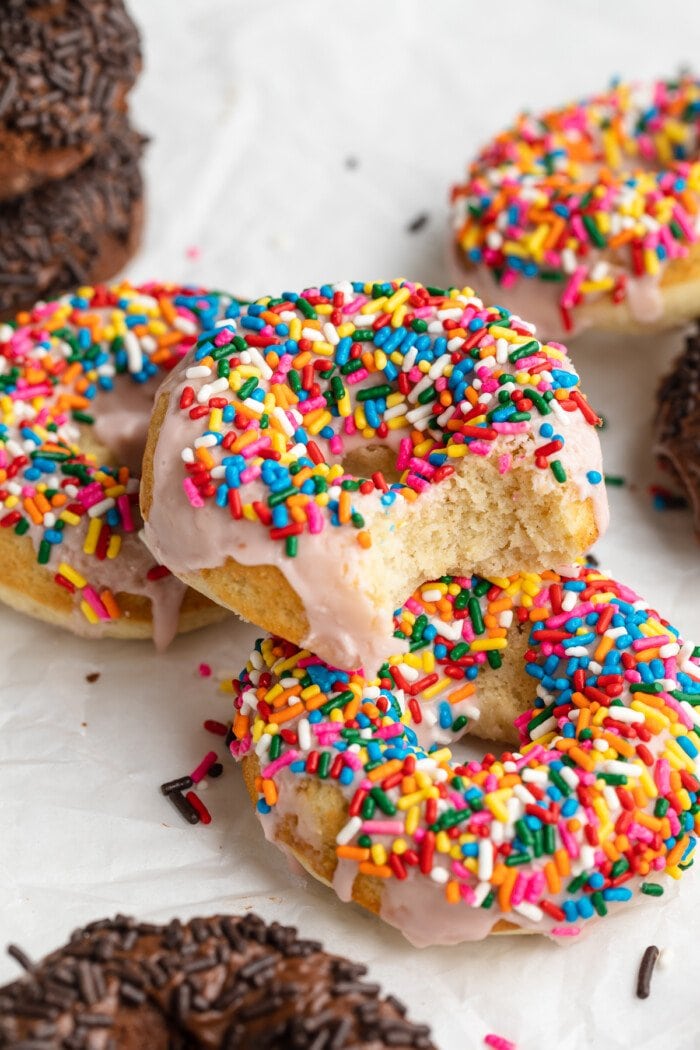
(418, 223)
(224, 981)
(65, 68)
(646, 969)
(678, 421)
(76, 231)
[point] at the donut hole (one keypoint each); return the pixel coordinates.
(366, 460)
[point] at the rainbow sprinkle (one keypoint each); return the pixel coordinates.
(601, 799)
(284, 389)
(587, 196)
(54, 361)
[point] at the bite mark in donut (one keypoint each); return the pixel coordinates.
(77, 381)
(588, 215)
(600, 801)
(323, 453)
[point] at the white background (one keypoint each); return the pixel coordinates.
(254, 110)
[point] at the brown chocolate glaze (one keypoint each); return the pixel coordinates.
(66, 67)
(678, 422)
(221, 982)
(80, 230)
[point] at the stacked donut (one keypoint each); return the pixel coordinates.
(71, 195)
(317, 452)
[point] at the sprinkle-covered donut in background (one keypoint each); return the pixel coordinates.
(77, 380)
(601, 800)
(216, 982)
(66, 68)
(322, 453)
(589, 215)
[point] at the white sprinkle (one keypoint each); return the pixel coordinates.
(438, 367)
(254, 406)
(439, 875)
(205, 441)
(485, 868)
(623, 769)
(672, 649)
(304, 734)
(349, 831)
(331, 333)
(100, 508)
(529, 911)
(134, 353)
(481, 893)
(198, 371)
(210, 389)
(187, 455)
(257, 359)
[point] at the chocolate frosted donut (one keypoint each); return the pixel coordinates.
(220, 982)
(66, 67)
(678, 422)
(81, 230)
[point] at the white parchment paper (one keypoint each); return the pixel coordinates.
(294, 142)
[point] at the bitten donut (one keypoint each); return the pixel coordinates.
(77, 380)
(321, 454)
(80, 230)
(218, 982)
(677, 424)
(588, 215)
(599, 803)
(66, 68)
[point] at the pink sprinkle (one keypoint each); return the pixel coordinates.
(204, 670)
(191, 493)
(386, 827)
(565, 931)
(124, 507)
(480, 448)
(504, 463)
(279, 763)
(93, 600)
(193, 252)
(314, 516)
(204, 766)
(404, 456)
(498, 1042)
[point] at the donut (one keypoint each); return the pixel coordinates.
(80, 230)
(217, 982)
(677, 425)
(321, 454)
(66, 68)
(78, 376)
(600, 802)
(588, 215)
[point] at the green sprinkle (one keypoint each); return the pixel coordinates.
(538, 401)
(324, 764)
(598, 903)
(281, 497)
(489, 899)
(44, 552)
(372, 392)
(291, 546)
(475, 616)
(81, 417)
(652, 889)
(593, 231)
(614, 479)
(305, 307)
(21, 527)
(275, 747)
(248, 387)
(517, 858)
(558, 471)
(383, 801)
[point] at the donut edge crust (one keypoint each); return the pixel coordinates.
(29, 588)
(329, 810)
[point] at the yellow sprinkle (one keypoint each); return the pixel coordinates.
(71, 575)
(93, 534)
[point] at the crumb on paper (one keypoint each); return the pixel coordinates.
(416, 224)
(92, 677)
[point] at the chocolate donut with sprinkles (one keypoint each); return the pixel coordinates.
(322, 453)
(599, 803)
(589, 215)
(78, 377)
(222, 982)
